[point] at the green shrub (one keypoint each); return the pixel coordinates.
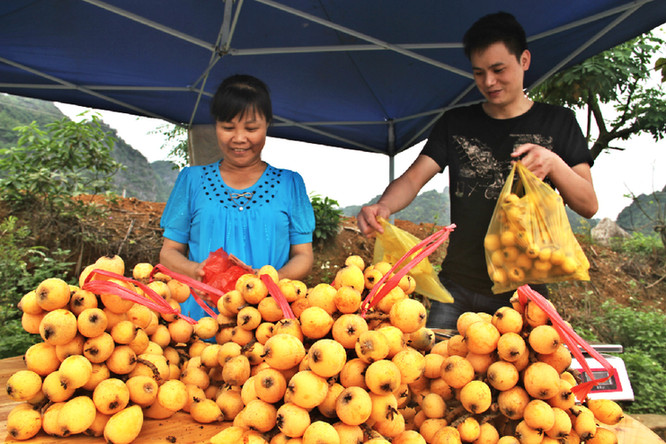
(648, 379)
(640, 243)
(643, 338)
(21, 270)
(327, 218)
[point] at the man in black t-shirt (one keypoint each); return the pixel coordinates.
(479, 143)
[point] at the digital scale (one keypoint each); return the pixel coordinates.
(617, 387)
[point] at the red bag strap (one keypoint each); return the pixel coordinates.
(274, 291)
(153, 300)
(571, 339)
(427, 246)
(193, 284)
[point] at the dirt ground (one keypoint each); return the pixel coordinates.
(132, 230)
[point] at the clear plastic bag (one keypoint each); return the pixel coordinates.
(529, 239)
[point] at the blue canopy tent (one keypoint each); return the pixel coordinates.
(370, 75)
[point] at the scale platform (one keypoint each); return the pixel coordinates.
(617, 387)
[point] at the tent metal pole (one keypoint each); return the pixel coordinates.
(391, 154)
(83, 89)
(151, 23)
(365, 37)
(585, 45)
(223, 37)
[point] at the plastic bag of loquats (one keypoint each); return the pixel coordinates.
(391, 246)
(529, 238)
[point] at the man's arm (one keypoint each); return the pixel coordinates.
(573, 183)
(399, 193)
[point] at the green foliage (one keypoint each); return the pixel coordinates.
(48, 166)
(175, 140)
(660, 65)
(640, 243)
(648, 379)
(620, 76)
(327, 218)
(21, 270)
(14, 341)
(643, 337)
(138, 178)
(17, 111)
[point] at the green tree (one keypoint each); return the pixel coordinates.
(175, 140)
(49, 166)
(660, 65)
(619, 77)
(45, 171)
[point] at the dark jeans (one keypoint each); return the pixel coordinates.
(445, 316)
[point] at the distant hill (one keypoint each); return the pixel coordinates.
(139, 178)
(434, 207)
(644, 213)
(429, 207)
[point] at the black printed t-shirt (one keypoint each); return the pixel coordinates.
(477, 149)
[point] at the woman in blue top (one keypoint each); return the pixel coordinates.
(259, 213)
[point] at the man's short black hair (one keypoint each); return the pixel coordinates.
(493, 28)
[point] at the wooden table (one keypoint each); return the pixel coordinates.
(182, 429)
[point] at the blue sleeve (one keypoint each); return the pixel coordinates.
(177, 218)
(301, 218)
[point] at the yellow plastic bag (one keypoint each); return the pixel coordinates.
(394, 243)
(529, 239)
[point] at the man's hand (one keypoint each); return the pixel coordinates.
(539, 160)
(367, 218)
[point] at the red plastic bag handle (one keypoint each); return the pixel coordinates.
(153, 301)
(193, 284)
(427, 246)
(274, 291)
(571, 339)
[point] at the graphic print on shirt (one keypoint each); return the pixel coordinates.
(537, 139)
(479, 169)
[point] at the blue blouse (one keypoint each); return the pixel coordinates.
(257, 224)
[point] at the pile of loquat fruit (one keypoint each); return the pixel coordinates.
(326, 375)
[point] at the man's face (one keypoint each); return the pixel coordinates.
(499, 74)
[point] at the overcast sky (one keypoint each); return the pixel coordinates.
(353, 177)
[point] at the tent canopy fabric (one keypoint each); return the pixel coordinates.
(370, 75)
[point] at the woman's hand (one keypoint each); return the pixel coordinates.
(173, 256)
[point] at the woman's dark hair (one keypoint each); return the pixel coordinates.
(239, 94)
(493, 28)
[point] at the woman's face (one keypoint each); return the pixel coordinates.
(242, 139)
